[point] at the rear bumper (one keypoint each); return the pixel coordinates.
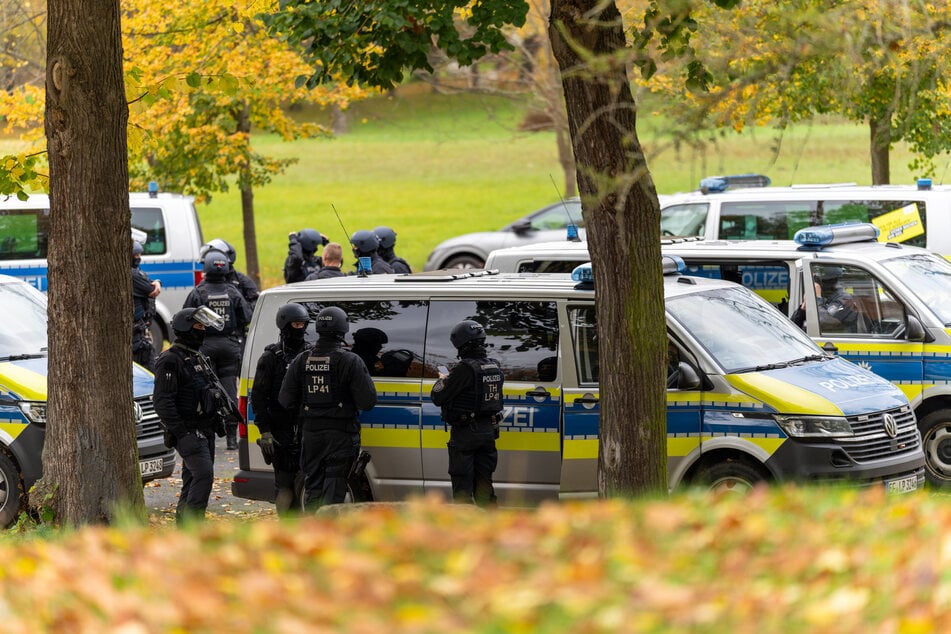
(253, 485)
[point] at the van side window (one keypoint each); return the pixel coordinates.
(24, 233)
(765, 220)
(767, 278)
(522, 336)
(852, 301)
(550, 266)
(152, 222)
(899, 220)
(684, 220)
(387, 335)
(584, 335)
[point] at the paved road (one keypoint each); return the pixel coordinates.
(161, 496)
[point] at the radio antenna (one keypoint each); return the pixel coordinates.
(572, 226)
(345, 232)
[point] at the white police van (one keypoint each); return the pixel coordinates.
(171, 250)
(751, 397)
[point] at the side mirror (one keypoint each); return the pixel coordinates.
(522, 227)
(914, 331)
(688, 378)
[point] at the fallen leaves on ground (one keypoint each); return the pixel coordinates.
(777, 560)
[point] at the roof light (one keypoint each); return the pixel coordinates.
(828, 235)
(364, 266)
(672, 264)
(572, 230)
(924, 183)
(715, 184)
(153, 189)
(583, 273)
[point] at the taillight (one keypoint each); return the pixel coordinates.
(243, 408)
(198, 277)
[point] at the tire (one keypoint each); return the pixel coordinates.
(935, 431)
(736, 476)
(12, 493)
(158, 335)
(464, 262)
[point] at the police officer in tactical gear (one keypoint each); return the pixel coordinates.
(241, 281)
(328, 386)
(144, 292)
(223, 348)
(367, 343)
(333, 260)
(280, 434)
(387, 243)
(366, 245)
(301, 258)
(182, 393)
(837, 309)
(471, 401)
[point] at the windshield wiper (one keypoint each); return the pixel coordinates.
(811, 357)
(763, 368)
(23, 357)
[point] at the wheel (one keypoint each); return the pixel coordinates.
(936, 441)
(464, 262)
(735, 476)
(12, 493)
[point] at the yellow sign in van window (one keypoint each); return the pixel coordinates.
(900, 225)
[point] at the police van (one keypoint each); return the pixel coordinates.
(744, 207)
(23, 367)
(168, 224)
(752, 398)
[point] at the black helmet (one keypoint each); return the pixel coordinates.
(216, 265)
(291, 312)
(828, 273)
(309, 239)
(332, 320)
(387, 237)
(186, 318)
(218, 245)
(137, 248)
(466, 332)
(370, 337)
(364, 241)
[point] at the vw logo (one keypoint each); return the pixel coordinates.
(137, 413)
(891, 426)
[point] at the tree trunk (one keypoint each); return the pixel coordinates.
(622, 218)
(90, 461)
(880, 135)
(247, 204)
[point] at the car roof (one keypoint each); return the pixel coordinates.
(808, 191)
(739, 249)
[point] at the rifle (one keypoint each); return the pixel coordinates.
(218, 400)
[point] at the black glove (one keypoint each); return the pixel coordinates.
(220, 430)
(169, 439)
(267, 443)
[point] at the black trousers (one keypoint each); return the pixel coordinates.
(286, 473)
(472, 461)
(198, 474)
(326, 458)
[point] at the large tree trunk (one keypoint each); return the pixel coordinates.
(90, 462)
(247, 205)
(880, 137)
(622, 217)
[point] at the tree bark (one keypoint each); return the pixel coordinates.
(90, 461)
(622, 219)
(880, 138)
(247, 204)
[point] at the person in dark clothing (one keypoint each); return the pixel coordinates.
(387, 243)
(249, 290)
(280, 434)
(837, 309)
(367, 343)
(183, 379)
(223, 348)
(302, 259)
(366, 245)
(144, 292)
(471, 401)
(333, 260)
(328, 387)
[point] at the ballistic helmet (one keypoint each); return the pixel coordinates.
(829, 273)
(364, 241)
(387, 237)
(309, 239)
(332, 320)
(186, 318)
(291, 312)
(466, 332)
(218, 245)
(216, 265)
(370, 337)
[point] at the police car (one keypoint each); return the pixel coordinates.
(751, 397)
(23, 368)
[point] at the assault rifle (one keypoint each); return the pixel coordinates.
(216, 399)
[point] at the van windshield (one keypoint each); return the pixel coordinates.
(929, 278)
(740, 330)
(683, 220)
(23, 327)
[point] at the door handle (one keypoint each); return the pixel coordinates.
(587, 399)
(538, 392)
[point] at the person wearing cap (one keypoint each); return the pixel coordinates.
(328, 386)
(302, 259)
(386, 250)
(183, 381)
(144, 292)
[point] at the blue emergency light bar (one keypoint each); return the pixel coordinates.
(153, 189)
(828, 235)
(670, 264)
(716, 184)
(572, 230)
(583, 273)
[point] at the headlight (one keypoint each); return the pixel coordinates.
(815, 426)
(34, 411)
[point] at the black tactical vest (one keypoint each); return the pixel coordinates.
(321, 391)
(222, 303)
(484, 398)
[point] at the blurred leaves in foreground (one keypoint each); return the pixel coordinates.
(777, 560)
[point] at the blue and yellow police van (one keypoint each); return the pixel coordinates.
(751, 398)
(23, 391)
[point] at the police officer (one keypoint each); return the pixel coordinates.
(387, 242)
(366, 245)
(280, 435)
(471, 401)
(301, 258)
(837, 308)
(249, 290)
(223, 348)
(144, 292)
(333, 260)
(182, 382)
(328, 387)
(367, 343)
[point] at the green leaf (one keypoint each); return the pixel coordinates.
(193, 80)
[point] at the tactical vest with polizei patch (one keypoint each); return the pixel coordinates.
(321, 391)
(484, 399)
(222, 303)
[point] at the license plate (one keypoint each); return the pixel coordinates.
(902, 485)
(150, 467)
